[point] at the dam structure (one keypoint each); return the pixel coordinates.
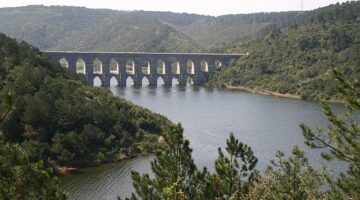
(184, 67)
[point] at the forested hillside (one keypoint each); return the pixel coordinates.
(297, 59)
(290, 52)
(58, 119)
(211, 31)
(76, 28)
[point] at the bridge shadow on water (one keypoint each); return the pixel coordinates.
(147, 89)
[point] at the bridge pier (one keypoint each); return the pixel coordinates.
(181, 72)
(137, 78)
(105, 82)
(122, 80)
(182, 79)
(198, 79)
(89, 79)
(89, 71)
(152, 79)
(105, 62)
(72, 64)
(167, 78)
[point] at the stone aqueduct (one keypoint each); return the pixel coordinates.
(122, 65)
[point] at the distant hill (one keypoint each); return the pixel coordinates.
(78, 28)
(299, 57)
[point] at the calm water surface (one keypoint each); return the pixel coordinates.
(266, 123)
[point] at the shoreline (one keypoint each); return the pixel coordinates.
(263, 92)
(66, 170)
(277, 94)
(121, 157)
(63, 170)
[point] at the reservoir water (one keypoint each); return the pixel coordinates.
(266, 123)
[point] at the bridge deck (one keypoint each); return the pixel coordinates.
(146, 53)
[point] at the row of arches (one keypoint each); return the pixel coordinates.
(161, 68)
(145, 81)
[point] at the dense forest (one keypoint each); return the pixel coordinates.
(77, 28)
(60, 120)
(297, 58)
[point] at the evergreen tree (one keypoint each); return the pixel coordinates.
(291, 178)
(341, 140)
(19, 177)
(234, 171)
(176, 175)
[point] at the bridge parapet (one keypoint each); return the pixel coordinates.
(139, 65)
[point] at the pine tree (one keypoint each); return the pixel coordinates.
(341, 140)
(19, 177)
(234, 171)
(176, 175)
(291, 178)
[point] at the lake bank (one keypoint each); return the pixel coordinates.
(263, 92)
(158, 145)
(276, 94)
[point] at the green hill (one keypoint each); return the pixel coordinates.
(299, 57)
(62, 121)
(77, 28)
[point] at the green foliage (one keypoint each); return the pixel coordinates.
(19, 177)
(22, 179)
(298, 58)
(291, 178)
(232, 169)
(63, 121)
(341, 140)
(176, 175)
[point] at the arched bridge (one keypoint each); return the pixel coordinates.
(184, 67)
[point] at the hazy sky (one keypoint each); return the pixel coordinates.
(208, 7)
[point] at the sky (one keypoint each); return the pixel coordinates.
(206, 7)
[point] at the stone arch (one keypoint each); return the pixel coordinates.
(145, 67)
(130, 81)
(190, 67)
(114, 66)
(204, 66)
(114, 81)
(190, 80)
(145, 80)
(97, 81)
(130, 66)
(160, 81)
(174, 65)
(64, 63)
(175, 81)
(80, 66)
(97, 66)
(160, 67)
